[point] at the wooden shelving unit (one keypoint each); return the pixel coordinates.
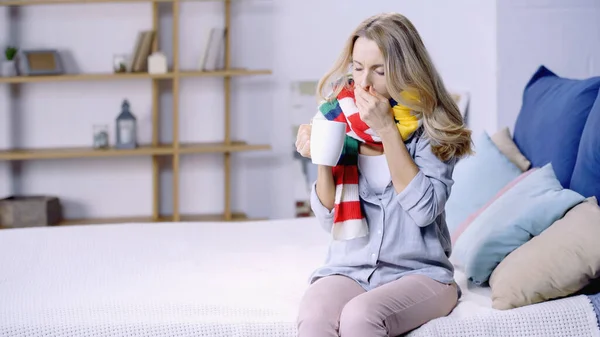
(156, 150)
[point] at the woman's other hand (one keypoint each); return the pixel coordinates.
(303, 140)
(374, 109)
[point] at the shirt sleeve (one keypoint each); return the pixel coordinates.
(323, 215)
(424, 198)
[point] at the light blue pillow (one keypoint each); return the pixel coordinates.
(477, 179)
(524, 211)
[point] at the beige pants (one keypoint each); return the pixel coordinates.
(337, 306)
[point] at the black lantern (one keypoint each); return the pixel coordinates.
(126, 128)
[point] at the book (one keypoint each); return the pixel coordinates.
(214, 53)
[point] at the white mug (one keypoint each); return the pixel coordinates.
(326, 141)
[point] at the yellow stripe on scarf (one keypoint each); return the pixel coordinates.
(407, 123)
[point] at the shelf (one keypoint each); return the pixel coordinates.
(130, 76)
(147, 219)
(58, 2)
(176, 75)
(221, 147)
(83, 77)
(82, 152)
(224, 73)
(145, 150)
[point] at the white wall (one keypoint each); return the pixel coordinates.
(563, 35)
(459, 35)
(267, 34)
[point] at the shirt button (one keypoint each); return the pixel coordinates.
(373, 255)
(379, 231)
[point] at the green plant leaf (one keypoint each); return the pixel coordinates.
(10, 53)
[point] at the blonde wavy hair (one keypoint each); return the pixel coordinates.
(408, 66)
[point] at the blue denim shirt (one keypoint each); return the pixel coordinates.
(407, 231)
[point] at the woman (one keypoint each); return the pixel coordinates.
(393, 275)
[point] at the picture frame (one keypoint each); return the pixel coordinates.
(40, 62)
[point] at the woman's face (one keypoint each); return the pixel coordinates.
(368, 66)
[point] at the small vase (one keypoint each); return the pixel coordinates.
(8, 69)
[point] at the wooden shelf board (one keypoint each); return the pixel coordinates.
(144, 150)
(148, 219)
(223, 73)
(83, 77)
(105, 221)
(129, 76)
(58, 2)
(82, 152)
(238, 146)
(215, 217)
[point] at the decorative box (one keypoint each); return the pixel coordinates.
(30, 211)
(157, 63)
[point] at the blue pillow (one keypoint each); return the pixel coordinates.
(551, 120)
(586, 174)
(524, 211)
(477, 179)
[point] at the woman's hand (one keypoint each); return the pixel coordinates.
(325, 185)
(374, 109)
(303, 140)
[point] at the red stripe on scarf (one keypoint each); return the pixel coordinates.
(341, 118)
(346, 93)
(358, 126)
(349, 211)
(345, 174)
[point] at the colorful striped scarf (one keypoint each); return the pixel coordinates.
(349, 221)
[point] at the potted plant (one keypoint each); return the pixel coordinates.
(9, 67)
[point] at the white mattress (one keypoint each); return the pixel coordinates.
(167, 279)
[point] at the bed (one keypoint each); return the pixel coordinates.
(238, 279)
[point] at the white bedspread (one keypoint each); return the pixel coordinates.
(207, 279)
(172, 279)
(475, 317)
